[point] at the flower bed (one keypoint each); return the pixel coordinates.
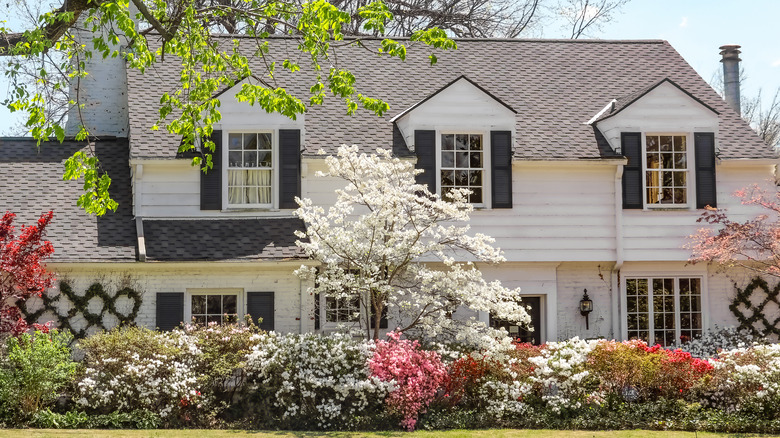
(220, 376)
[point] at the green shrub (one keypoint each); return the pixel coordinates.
(46, 419)
(36, 368)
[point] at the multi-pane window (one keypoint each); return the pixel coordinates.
(462, 165)
(219, 308)
(666, 175)
(250, 169)
(343, 309)
(664, 311)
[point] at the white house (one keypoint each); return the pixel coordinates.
(590, 162)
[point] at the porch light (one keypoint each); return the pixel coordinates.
(586, 306)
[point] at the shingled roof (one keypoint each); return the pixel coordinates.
(224, 239)
(32, 184)
(554, 85)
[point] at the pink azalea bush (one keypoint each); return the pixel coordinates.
(417, 375)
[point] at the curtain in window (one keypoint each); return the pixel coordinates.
(235, 189)
(259, 183)
(653, 180)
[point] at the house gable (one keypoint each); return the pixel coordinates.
(663, 107)
(460, 104)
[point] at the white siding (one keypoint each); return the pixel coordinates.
(661, 235)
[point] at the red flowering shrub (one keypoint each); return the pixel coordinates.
(650, 371)
(22, 273)
(464, 377)
(417, 375)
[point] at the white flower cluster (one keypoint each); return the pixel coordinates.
(315, 381)
(712, 341)
(561, 371)
(502, 399)
(158, 382)
(746, 375)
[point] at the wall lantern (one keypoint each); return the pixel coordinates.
(586, 306)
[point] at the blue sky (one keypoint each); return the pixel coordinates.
(696, 28)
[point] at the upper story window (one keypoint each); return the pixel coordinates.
(666, 170)
(462, 165)
(250, 170)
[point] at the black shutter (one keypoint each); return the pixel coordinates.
(261, 305)
(704, 147)
(316, 311)
(425, 149)
(289, 167)
(501, 172)
(211, 181)
(631, 145)
(170, 310)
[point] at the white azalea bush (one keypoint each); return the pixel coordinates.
(315, 382)
(561, 373)
(745, 379)
(717, 339)
(133, 369)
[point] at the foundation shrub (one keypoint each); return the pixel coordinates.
(34, 370)
(745, 380)
(416, 375)
(134, 369)
(314, 382)
(636, 372)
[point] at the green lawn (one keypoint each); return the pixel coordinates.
(498, 433)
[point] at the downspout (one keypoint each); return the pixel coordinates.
(615, 280)
(138, 175)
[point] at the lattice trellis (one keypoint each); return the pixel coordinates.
(80, 306)
(754, 314)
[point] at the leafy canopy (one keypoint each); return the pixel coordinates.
(143, 32)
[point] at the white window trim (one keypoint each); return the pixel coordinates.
(705, 302)
(486, 163)
(690, 177)
(274, 205)
(240, 300)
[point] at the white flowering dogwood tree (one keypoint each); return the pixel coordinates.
(389, 243)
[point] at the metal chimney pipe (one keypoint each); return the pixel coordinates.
(730, 59)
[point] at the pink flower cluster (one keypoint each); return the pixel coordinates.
(417, 375)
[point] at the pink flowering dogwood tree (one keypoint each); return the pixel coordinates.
(753, 244)
(390, 243)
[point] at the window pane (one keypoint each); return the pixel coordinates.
(264, 141)
(250, 141)
(447, 142)
(461, 142)
(666, 143)
(679, 143)
(475, 142)
(229, 304)
(250, 159)
(234, 159)
(214, 304)
(476, 196)
(680, 161)
(462, 160)
(447, 159)
(475, 178)
(198, 304)
(264, 158)
(447, 177)
(462, 178)
(201, 320)
(234, 141)
(476, 160)
(652, 143)
(631, 304)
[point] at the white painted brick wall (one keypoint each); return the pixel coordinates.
(573, 278)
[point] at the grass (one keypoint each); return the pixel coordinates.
(497, 433)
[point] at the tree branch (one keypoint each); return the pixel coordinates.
(51, 32)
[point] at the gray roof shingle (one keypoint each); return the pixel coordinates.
(554, 85)
(31, 182)
(223, 239)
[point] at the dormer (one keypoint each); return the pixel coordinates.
(669, 137)
(462, 136)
